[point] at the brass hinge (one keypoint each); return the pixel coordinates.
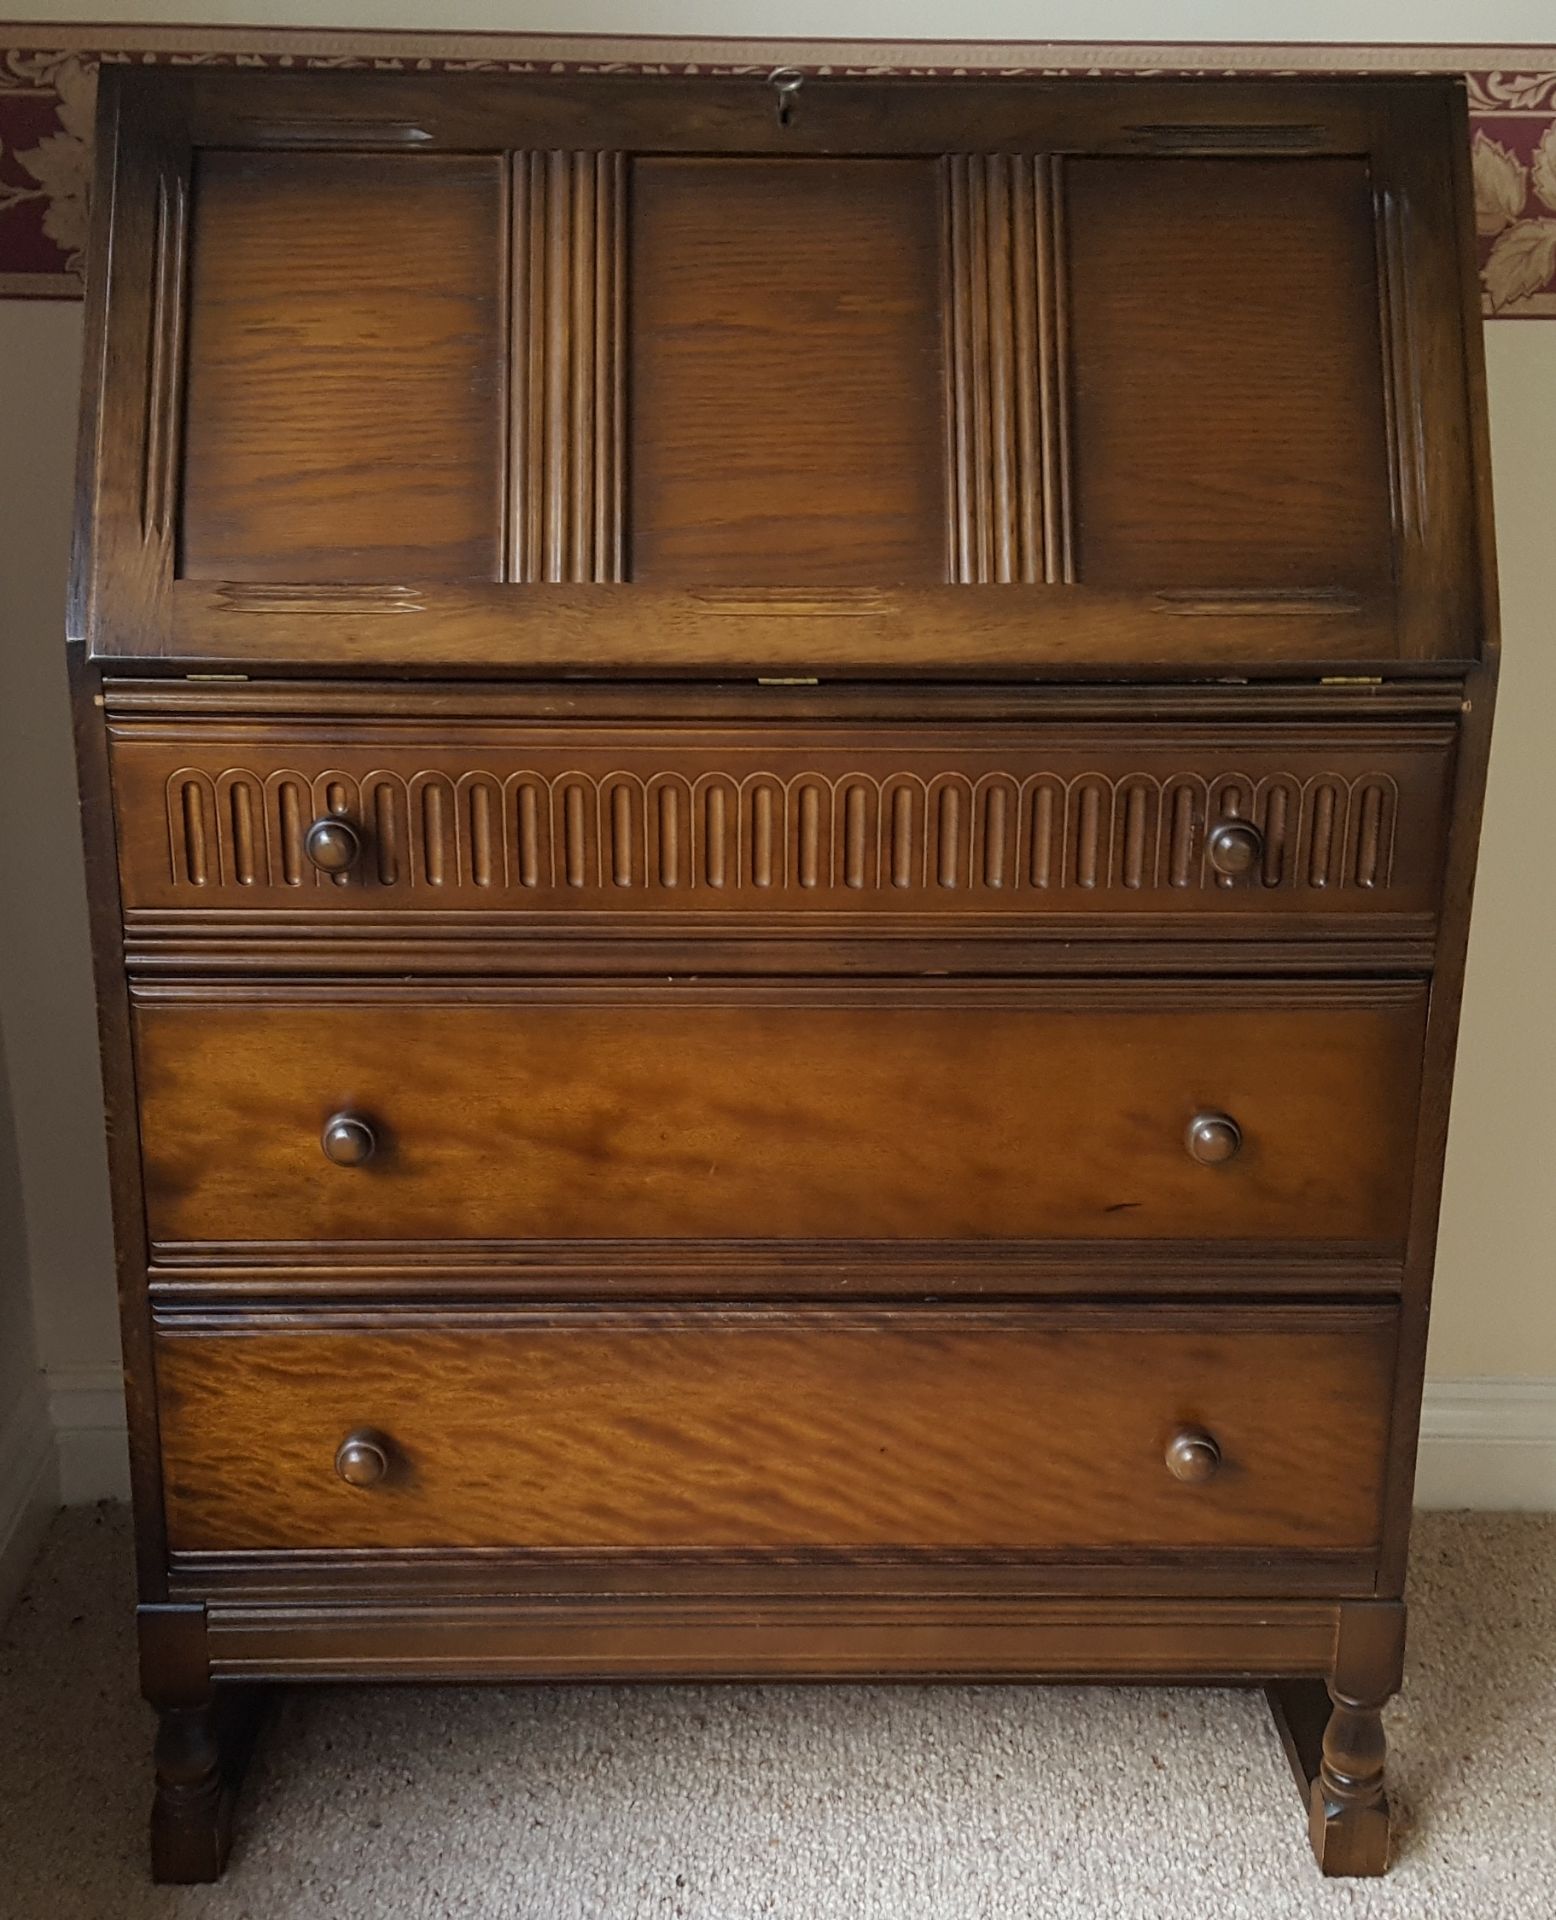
(216, 676)
(792, 680)
(1351, 680)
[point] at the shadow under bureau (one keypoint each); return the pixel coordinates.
(781, 787)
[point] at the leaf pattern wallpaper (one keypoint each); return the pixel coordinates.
(47, 93)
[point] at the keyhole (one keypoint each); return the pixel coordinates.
(786, 83)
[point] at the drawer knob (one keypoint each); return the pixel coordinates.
(1214, 1138)
(1235, 848)
(348, 1140)
(362, 1458)
(1193, 1457)
(333, 845)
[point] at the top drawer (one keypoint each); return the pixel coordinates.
(823, 825)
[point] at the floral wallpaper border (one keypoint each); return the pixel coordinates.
(48, 80)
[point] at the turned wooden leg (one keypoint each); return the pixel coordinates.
(205, 1734)
(201, 1756)
(1333, 1736)
(1348, 1811)
(191, 1816)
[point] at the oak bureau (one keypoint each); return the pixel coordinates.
(781, 780)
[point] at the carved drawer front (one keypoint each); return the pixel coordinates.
(887, 824)
(763, 1113)
(1007, 1430)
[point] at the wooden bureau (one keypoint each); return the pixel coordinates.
(781, 781)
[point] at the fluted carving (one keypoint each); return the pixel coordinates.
(567, 400)
(986, 836)
(1009, 442)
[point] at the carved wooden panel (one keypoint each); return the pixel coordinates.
(888, 822)
(1012, 1432)
(568, 408)
(1006, 325)
(842, 1110)
(1159, 364)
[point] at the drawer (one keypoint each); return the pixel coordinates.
(874, 827)
(1008, 1431)
(935, 1111)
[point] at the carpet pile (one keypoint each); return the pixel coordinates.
(811, 1803)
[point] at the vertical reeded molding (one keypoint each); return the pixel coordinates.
(567, 402)
(1008, 427)
(1404, 417)
(164, 360)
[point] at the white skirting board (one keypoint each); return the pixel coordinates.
(1488, 1443)
(29, 1488)
(87, 1408)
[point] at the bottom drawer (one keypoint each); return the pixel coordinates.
(1037, 1430)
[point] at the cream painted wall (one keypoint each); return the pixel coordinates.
(46, 1006)
(18, 1346)
(1496, 1309)
(1495, 1301)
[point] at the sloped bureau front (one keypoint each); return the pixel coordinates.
(837, 395)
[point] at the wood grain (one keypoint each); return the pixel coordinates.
(865, 1112)
(914, 1430)
(786, 373)
(1228, 409)
(343, 419)
(905, 633)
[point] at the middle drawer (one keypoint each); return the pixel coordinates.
(933, 1111)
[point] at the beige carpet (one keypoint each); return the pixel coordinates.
(859, 1803)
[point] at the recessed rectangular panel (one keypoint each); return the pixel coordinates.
(344, 412)
(1228, 422)
(787, 410)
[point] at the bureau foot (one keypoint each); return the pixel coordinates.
(1348, 1811)
(201, 1755)
(1337, 1751)
(1332, 1731)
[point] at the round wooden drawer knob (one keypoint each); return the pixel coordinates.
(348, 1140)
(1235, 848)
(1214, 1138)
(1193, 1457)
(333, 845)
(362, 1459)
